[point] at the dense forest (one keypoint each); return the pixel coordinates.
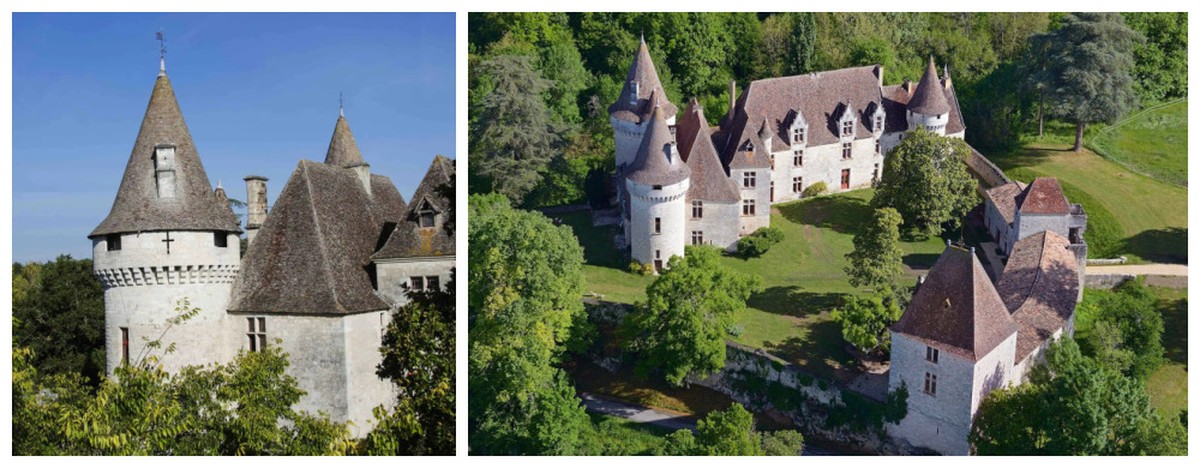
(540, 83)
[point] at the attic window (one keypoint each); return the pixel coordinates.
(113, 242)
(657, 187)
(947, 304)
(797, 135)
(931, 354)
(878, 123)
(427, 217)
(220, 239)
(847, 128)
(164, 170)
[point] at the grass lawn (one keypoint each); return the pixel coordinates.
(1150, 216)
(802, 278)
(1153, 143)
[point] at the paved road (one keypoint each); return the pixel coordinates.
(1157, 269)
(669, 420)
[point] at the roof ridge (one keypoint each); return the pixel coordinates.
(317, 229)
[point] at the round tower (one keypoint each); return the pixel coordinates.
(169, 236)
(658, 181)
(630, 114)
(928, 107)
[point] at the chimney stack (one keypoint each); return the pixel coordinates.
(256, 205)
(732, 98)
(363, 171)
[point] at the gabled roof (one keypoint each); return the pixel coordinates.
(137, 207)
(224, 201)
(957, 308)
(409, 240)
(1004, 197)
(642, 72)
(311, 254)
(658, 161)
(709, 182)
(930, 96)
(1040, 284)
(1043, 196)
(343, 151)
(388, 201)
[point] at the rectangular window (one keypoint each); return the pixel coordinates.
(847, 127)
(875, 175)
(798, 158)
(431, 283)
(220, 239)
(416, 283)
(428, 219)
(877, 147)
(697, 237)
(878, 124)
(256, 333)
(658, 225)
(124, 346)
(931, 354)
(799, 134)
(748, 207)
(657, 254)
(845, 179)
(113, 242)
(658, 265)
(657, 187)
(845, 150)
(772, 161)
(930, 384)
(772, 191)
(749, 179)
(797, 184)
(697, 209)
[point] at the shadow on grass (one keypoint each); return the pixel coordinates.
(1175, 330)
(791, 301)
(1158, 245)
(920, 261)
(843, 214)
(597, 241)
(819, 352)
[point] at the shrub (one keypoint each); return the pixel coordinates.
(735, 330)
(759, 242)
(644, 269)
(814, 190)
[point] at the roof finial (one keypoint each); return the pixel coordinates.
(219, 185)
(643, 34)
(162, 53)
(341, 105)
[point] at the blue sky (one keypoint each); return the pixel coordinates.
(259, 92)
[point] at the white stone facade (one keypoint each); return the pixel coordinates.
(396, 275)
(627, 137)
(657, 221)
(713, 226)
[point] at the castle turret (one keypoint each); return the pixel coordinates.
(169, 236)
(928, 107)
(343, 151)
(640, 94)
(658, 182)
(256, 205)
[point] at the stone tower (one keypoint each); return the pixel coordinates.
(641, 93)
(169, 236)
(928, 107)
(657, 181)
(256, 205)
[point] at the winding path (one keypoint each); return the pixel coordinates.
(1155, 269)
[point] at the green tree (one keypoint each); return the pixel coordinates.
(525, 282)
(865, 321)
(681, 327)
(61, 315)
(876, 260)
(512, 138)
(1161, 62)
(926, 181)
(1127, 335)
(782, 443)
(728, 433)
(1091, 59)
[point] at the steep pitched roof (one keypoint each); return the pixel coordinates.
(409, 239)
(388, 201)
(634, 108)
(343, 151)
(1004, 197)
(137, 206)
(1043, 196)
(224, 201)
(930, 96)
(957, 308)
(895, 103)
(709, 181)
(311, 253)
(658, 161)
(1040, 284)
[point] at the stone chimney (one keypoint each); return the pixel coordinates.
(907, 86)
(256, 205)
(879, 74)
(732, 98)
(363, 171)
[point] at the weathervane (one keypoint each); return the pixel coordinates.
(162, 52)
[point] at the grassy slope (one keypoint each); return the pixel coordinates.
(802, 278)
(1152, 215)
(1152, 143)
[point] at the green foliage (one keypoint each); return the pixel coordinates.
(728, 433)
(680, 329)
(644, 269)
(524, 286)
(814, 190)
(759, 242)
(60, 307)
(1161, 61)
(782, 443)
(877, 259)
(865, 321)
(1097, 411)
(925, 180)
(1126, 334)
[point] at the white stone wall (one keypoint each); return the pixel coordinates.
(333, 359)
(627, 137)
(668, 204)
(393, 274)
(719, 224)
(142, 285)
(993, 371)
(760, 193)
(825, 164)
(1025, 225)
(933, 123)
(996, 226)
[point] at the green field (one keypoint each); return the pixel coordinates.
(802, 278)
(1149, 217)
(1151, 142)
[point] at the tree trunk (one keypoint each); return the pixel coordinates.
(1041, 104)
(1079, 136)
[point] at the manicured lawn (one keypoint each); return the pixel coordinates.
(1150, 216)
(1153, 143)
(803, 278)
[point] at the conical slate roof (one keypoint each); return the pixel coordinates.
(409, 240)
(930, 97)
(642, 72)
(957, 308)
(343, 151)
(137, 208)
(709, 182)
(224, 201)
(658, 161)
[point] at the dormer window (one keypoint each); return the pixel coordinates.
(164, 170)
(112, 242)
(657, 187)
(878, 123)
(427, 217)
(633, 95)
(749, 179)
(848, 128)
(220, 239)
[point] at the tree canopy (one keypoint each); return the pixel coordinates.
(60, 305)
(926, 182)
(877, 260)
(865, 320)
